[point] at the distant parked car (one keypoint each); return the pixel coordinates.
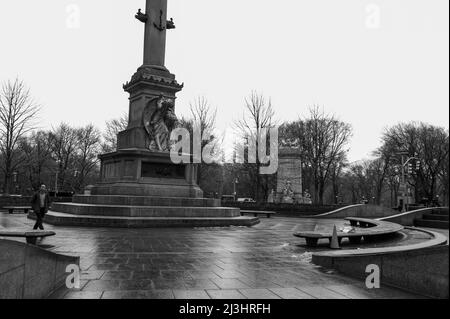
(246, 200)
(227, 198)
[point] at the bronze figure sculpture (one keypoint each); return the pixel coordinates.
(159, 121)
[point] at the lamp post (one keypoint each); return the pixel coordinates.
(15, 174)
(404, 190)
(58, 162)
(236, 181)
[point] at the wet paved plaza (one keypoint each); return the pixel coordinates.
(265, 261)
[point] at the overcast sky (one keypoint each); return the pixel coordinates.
(372, 63)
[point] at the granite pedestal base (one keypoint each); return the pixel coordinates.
(140, 189)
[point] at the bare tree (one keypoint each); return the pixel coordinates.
(444, 176)
(428, 143)
(36, 158)
(258, 116)
(64, 147)
(337, 170)
(323, 139)
(113, 128)
(203, 114)
(88, 148)
(203, 117)
(381, 168)
(18, 112)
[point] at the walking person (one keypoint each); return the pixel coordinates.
(40, 204)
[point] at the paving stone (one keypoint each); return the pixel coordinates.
(258, 294)
(321, 292)
(102, 285)
(291, 293)
(152, 294)
(191, 294)
(91, 275)
(116, 275)
(225, 294)
(84, 295)
(229, 283)
(203, 275)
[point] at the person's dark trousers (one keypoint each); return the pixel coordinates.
(39, 218)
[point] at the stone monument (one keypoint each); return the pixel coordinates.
(289, 177)
(140, 186)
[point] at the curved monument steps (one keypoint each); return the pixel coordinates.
(144, 211)
(145, 201)
(151, 188)
(63, 219)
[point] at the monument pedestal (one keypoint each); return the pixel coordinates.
(143, 189)
(140, 172)
(289, 177)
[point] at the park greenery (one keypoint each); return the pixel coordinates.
(66, 158)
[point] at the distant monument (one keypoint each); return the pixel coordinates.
(140, 186)
(289, 178)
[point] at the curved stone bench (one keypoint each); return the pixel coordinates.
(368, 229)
(31, 236)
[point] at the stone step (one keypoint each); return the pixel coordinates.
(62, 219)
(435, 217)
(165, 188)
(144, 211)
(145, 201)
(439, 224)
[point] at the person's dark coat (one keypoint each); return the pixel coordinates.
(36, 202)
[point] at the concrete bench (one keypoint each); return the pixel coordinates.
(11, 209)
(31, 236)
(256, 213)
(367, 229)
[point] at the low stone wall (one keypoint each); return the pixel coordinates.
(408, 218)
(360, 210)
(422, 268)
(25, 200)
(28, 272)
(288, 210)
(14, 201)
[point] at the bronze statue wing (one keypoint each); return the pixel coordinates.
(147, 117)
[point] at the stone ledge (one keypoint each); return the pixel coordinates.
(145, 201)
(143, 211)
(61, 219)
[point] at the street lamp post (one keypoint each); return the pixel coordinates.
(236, 181)
(15, 174)
(56, 178)
(405, 191)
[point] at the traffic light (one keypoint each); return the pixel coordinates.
(410, 169)
(418, 165)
